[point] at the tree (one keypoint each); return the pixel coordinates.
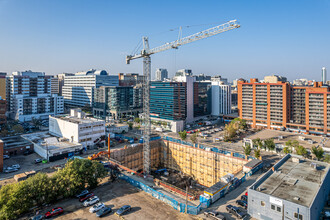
(137, 120)
(257, 153)
(193, 138)
(257, 143)
(130, 125)
(318, 152)
(183, 135)
(3, 132)
(287, 150)
(87, 108)
(326, 158)
(300, 150)
(36, 122)
(247, 150)
(269, 143)
(230, 132)
(18, 129)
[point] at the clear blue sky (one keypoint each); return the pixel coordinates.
(290, 38)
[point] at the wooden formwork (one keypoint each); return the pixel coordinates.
(207, 167)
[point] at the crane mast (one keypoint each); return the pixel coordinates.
(145, 54)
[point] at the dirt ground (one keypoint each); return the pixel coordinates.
(115, 195)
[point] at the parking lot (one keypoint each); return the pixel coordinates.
(115, 195)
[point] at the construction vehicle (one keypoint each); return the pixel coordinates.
(145, 53)
(94, 156)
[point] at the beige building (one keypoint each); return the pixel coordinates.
(274, 79)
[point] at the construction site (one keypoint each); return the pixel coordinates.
(175, 164)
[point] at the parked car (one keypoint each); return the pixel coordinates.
(37, 160)
(242, 203)
(124, 209)
(5, 157)
(103, 211)
(235, 211)
(91, 201)
(54, 212)
(83, 193)
(37, 217)
(10, 170)
(89, 195)
(244, 198)
(16, 166)
(96, 207)
(214, 215)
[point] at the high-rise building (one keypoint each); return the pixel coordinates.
(281, 105)
(324, 75)
(130, 79)
(168, 100)
(221, 98)
(78, 90)
(60, 78)
(3, 110)
(117, 102)
(29, 96)
(161, 74)
(202, 99)
(54, 87)
(184, 72)
(202, 77)
(3, 92)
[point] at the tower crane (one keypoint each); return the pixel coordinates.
(146, 52)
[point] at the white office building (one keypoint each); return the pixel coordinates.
(29, 96)
(161, 74)
(324, 75)
(221, 98)
(78, 90)
(78, 128)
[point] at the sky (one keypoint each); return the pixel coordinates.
(288, 38)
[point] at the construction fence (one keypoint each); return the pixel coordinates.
(181, 207)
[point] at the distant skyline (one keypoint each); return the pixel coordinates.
(288, 38)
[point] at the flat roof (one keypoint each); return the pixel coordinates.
(252, 163)
(54, 143)
(215, 188)
(14, 142)
(295, 182)
(76, 120)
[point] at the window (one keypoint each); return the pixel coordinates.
(272, 207)
(262, 203)
(298, 216)
(278, 209)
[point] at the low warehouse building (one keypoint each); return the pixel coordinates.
(53, 148)
(295, 188)
(16, 145)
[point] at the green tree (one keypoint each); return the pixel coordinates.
(247, 149)
(257, 143)
(130, 125)
(326, 158)
(183, 135)
(193, 138)
(3, 132)
(36, 122)
(18, 129)
(300, 150)
(287, 150)
(257, 153)
(137, 120)
(230, 132)
(318, 152)
(269, 143)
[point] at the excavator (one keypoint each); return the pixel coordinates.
(94, 156)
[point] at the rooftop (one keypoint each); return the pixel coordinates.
(297, 182)
(76, 120)
(54, 143)
(14, 142)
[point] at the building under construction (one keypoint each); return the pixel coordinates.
(205, 165)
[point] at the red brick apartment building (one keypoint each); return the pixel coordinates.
(281, 105)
